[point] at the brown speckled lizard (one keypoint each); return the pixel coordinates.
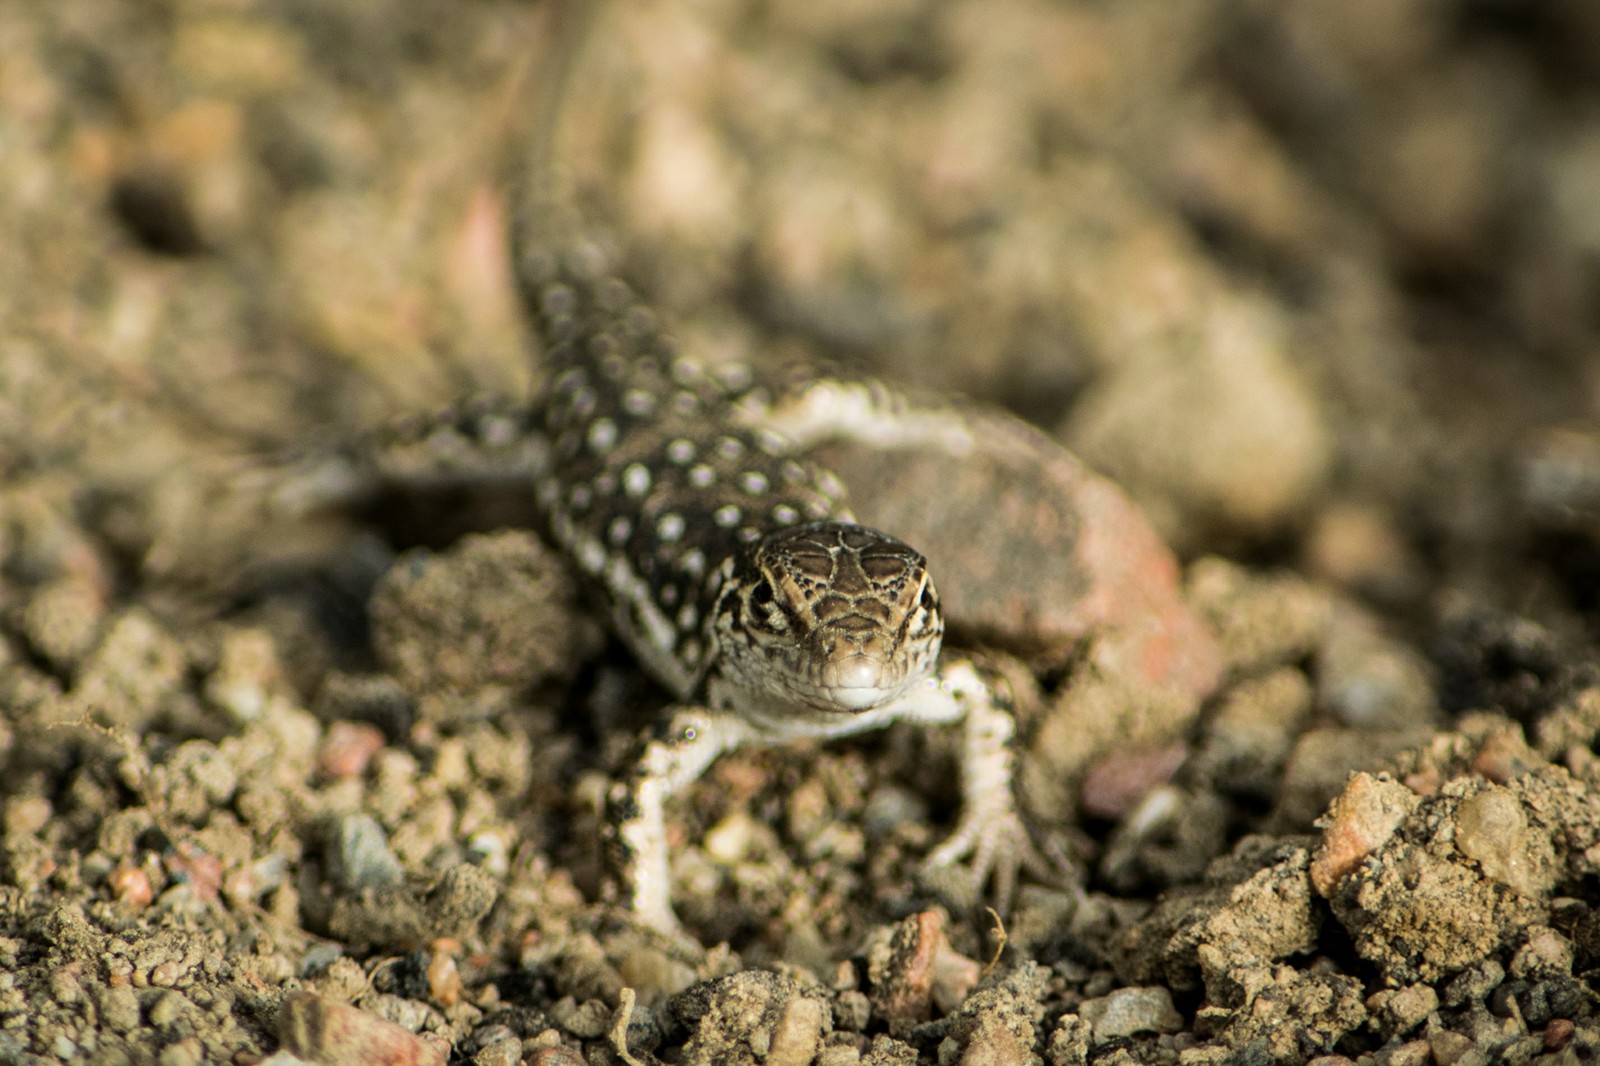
(730, 567)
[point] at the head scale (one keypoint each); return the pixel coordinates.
(832, 617)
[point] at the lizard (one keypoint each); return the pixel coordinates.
(730, 566)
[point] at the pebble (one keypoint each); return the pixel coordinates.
(494, 610)
(901, 972)
(555, 1056)
(336, 1034)
(1249, 737)
(500, 1053)
(1364, 816)
(1411, 1053)
(186, 1052)
(1448, 1047)
(588, 1020)
(248, 675)
(1369, 680)
(119, 1008)
(358, 855)
(1544, 953)
(1243, 442)
(1129, 1011)
(136, 669)
(1319, 769)
(347, 748)
(1401, 1010)
(63, 619)
(1493, 830)
(751, 1011)
(1262, 620)
(1115, 784)
(1474, 984)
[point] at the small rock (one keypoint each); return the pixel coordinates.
(503, 1053)
(1262, 621)
(347, 748)
(1401, 1010)
(1545, 953)
(1320, 766)
(1448, 1047)
(358, 855)
(1412, 1053)
(1369, 680)
(901, 972)
(1070, 1041)
(999, 1024)
(1360, 548)
(1243, 442)
(1129, 1011)
(1364, 816)
(1115, 784)
(588, 1020)
(119, 1008)
(248, 676)
(1474, 985)
(1249, 737)
(135, 672)
(336, 1034)
(62, 620)
(751, 1016)
(497, 610)
(1492, 828)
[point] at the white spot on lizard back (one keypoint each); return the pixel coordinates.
(602, 435)
(727, 516)
(680, 450)
(638, 402)
(669, 527)
(635, 480)
(591, 555)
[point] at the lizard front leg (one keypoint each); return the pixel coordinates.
(671, 758)
(991, 830)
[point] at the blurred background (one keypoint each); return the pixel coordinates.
(1318, 283)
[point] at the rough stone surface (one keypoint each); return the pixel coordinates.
(1315, 280)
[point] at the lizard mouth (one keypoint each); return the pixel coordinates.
(855, 682)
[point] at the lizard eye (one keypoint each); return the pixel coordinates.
(761, 595)
(928, 600)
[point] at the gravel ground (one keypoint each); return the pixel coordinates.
(1301, 630)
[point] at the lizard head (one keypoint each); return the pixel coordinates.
(830, 616)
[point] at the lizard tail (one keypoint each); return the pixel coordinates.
(544, 228)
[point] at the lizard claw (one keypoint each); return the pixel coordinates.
(999, 848)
